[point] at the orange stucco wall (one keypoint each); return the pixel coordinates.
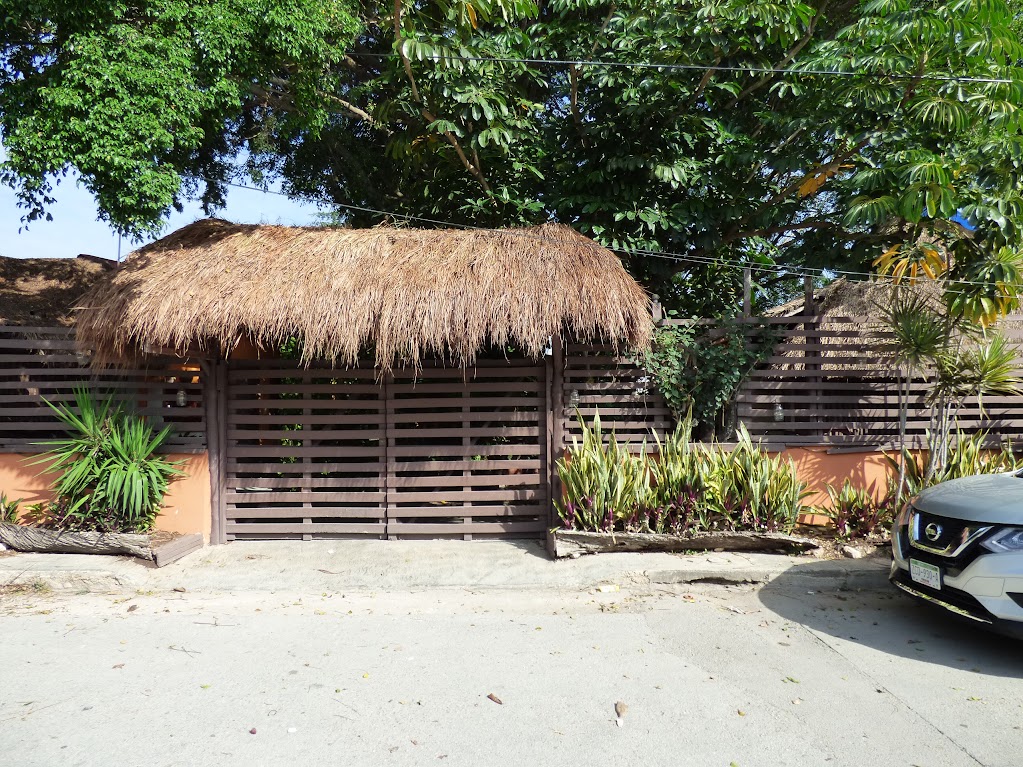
(818, 468)
(186, 508)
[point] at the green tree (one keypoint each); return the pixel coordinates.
(721, 165)
(947, 333)
(447, 110)
(150, 100)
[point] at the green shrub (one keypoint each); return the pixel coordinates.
(698, 368)
(967, 456)
(603, 485)
(110, 477)
(856, 513)
(9, 510)
(683, 488)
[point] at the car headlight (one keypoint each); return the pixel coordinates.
(1009, 539)
(902, 518)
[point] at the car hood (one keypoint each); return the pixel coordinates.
(994, 498)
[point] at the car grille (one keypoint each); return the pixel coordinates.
(950, 543)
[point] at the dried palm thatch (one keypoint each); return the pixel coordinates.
(44, 291)
(406, 293)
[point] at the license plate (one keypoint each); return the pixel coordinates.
(925, 574)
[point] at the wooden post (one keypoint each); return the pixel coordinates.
(555, 420)
(747, 292)
(215, 396)
(811, 327)
(389, 458)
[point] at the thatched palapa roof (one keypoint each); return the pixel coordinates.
(45, 291)
(408, 293)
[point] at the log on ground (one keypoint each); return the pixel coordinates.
(573, 543)
(41, 539)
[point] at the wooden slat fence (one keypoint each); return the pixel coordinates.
(438, 452)
(833, 377)
(832, 381)
(598, 379)
(304, 452)
(38, 362)
(467, 456)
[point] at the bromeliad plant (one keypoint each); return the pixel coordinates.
(110, 478)
(856, 513)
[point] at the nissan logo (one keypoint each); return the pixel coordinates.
(933, 531)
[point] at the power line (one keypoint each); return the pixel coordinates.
(702, 68)
(776, 269)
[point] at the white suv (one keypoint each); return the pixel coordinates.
(959, 545)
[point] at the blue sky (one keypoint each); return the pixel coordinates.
(76, 229)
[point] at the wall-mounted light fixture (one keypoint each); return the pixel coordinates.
(779, 414)
(573, 399)
(182, 398)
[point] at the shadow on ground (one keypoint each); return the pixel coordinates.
(888, 621)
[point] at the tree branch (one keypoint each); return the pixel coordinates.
(573, 100)
(346, 105)
(705, 80)
(474, 170)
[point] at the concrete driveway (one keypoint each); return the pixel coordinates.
(710, 676)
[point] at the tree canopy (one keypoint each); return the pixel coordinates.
(152, 99)
(812, 134)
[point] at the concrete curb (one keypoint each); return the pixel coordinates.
(870, 575)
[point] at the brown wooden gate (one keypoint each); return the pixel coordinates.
(441, 452)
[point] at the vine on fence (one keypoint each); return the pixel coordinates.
(699, 368)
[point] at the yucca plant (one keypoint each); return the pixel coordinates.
(110, 477)
(681, 484)
(684, 488)
(968, 455)
(758, 492)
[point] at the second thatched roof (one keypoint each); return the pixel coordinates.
(406, 293)
(45, 291)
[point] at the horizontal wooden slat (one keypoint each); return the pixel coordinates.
(448, 495)
(491, 463)
(234, 450)
(398, 484)
(261, 497)
(298, 528)
(347, 483)
(464, 450)
(470, 528)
